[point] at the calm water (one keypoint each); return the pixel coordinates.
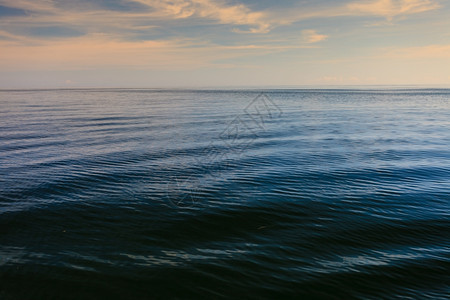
(163, 194)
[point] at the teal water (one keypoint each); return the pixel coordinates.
(216, 194)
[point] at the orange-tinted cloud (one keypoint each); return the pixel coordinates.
(392, 8)
(104, 51)
(427, 52)
(311, 36)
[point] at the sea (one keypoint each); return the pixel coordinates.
(225, 193)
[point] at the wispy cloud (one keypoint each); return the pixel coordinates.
(427, 52)
(241, 17)
(172, 35)
(392, 8)
(105, 51)
(216, 11)
(30, 5)
(219, 11)
(311, 36)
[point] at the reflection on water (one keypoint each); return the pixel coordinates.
(138, 194)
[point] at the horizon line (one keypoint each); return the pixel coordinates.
(231, 87)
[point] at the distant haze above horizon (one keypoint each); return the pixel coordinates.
(195, 43)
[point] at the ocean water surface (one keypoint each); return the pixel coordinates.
(216, 194)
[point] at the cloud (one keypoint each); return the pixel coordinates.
(427, 52)
(100, 51)
(96, 51)
(4, 35)
(218, 11)
(11, 11)
(97, 17)
(392, 8)
(331, 78)
(388, 9)
(311, 36)
(30, 5)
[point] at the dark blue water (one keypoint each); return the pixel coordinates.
(175, 194)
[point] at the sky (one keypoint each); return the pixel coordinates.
(223, 43)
